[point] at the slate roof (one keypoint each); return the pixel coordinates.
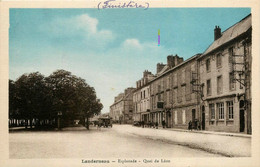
(231, 33)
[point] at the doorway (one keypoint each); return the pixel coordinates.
(203, 118)
(168, 119)
(242, 116)
(193, 115)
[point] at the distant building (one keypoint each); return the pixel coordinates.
(141, 97)
(121, 110)
(225, 78)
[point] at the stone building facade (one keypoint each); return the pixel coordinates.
(172, 98)
(141, 97)
(121, 111)
(212, 89)
(225, 78)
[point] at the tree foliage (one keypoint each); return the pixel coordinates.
(33, 96)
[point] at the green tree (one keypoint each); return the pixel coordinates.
(71, 95)
(87, 102)
(13, 111)
(32, 94)
(35, 97)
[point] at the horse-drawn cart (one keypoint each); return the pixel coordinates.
(105, 122)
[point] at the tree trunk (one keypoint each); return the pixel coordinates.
(31, 123)
(38, 122)
(87, 124)
(83, 121)
(26, 123)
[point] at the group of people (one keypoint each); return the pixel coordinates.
(191, 125)
(152, 124)
(194, 125)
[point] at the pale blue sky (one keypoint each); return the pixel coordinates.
(110, 48)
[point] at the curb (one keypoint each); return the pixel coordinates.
(212, 133)
(204, 132)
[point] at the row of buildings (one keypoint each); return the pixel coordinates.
(213, 88)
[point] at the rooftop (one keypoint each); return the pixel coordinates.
(231, 33)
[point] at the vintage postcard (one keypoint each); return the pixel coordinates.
(129, 83)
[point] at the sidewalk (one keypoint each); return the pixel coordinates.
(225, 144)
(210, 132)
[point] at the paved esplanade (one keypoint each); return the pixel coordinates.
(105, 143)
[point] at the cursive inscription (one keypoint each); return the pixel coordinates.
(113, 4)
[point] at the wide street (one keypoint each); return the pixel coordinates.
(105, 143)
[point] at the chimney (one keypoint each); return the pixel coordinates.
(145, 80)
(142, 82)
(177, 60)
(180, 60)
(170, 61)
(159, 67)
(217, 33)
(146, 73)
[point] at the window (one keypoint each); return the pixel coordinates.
(212, 111)
(240, 78)
(219, 60)
(220, 108)
(183, 76)
(168, 83)
(175, 117)
(154, 104)
(168, 97)
(162, 84)
(141, 95)
(208, 87)
(202, 90)
(230, 54)
(159, 97)
(159, 88)
(183, 92)
(193, 67)
(208, 65)
(174, 92)
(230, 110)
(219, 84)
(162, 97)
(175, 79)
(231, 81)
(144, 94)
(183, 117)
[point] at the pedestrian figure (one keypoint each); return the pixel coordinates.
(99, 126)
(163, 123)
(143, 124)
(190, 126)
(152, 124)
(156, 125)
(196, 124)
